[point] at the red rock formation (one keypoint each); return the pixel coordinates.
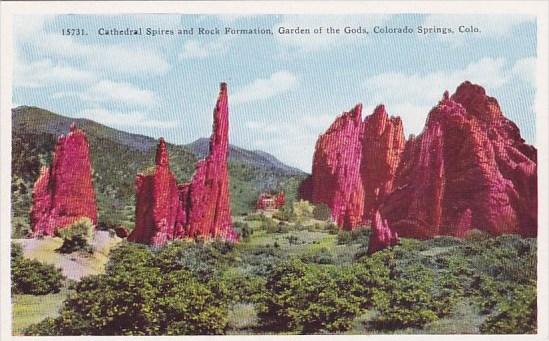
(64, 192)
(335, 178)
(157, 202)
(468, 169)
(200, 208)
(382, 146)
(382, 236)
(354, 165)
(270, 201)
(206, 197)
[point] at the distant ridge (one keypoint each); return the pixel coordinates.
(256, 158)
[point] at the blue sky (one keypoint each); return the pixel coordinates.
(283, 90)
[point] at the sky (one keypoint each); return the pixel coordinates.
(284, 90)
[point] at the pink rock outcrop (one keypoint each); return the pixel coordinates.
(157, 202)
(335, 178)
(354, 165)
(206, 197)
(469, 169)
(382, 236)
(64, 192)
(382, 147)
(199, 208)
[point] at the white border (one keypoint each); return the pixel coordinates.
(539, 9)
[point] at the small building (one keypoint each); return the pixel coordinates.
(270, 201)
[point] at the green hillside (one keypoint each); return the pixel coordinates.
(117, 157)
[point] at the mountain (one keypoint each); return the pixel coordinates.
(256, 158)
(117, 157)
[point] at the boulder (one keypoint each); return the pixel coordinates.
(382, 236)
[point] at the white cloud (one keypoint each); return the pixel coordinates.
(45, 72)
(106, 91)
(525, 69)
(203, 49)
(260, 89)
(411, 96)
(124, 119)
(316, 42)
(110, 58)
(490, 25)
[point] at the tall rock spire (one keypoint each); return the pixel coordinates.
(199, 208)
(157, 202)
(209, 210)
(64, 192)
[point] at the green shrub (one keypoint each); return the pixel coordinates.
(304, 299)
(357, 235)
(151, 293)
(322, 212)
(77, 236)
(32, 277)
(244, 288)
(320, 256)
(516, 314)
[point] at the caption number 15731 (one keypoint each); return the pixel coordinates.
(74, 32)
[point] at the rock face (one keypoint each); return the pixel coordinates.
(382, 147)
(200, 208)
(354, 165)
(269, 201)
(335, 178)
(469, 169)
(382, 236)
(157, 202)
(207, 209)
(64, 192)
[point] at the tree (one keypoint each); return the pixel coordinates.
(31, 276)
(145, 292)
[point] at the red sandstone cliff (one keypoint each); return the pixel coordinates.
(382, 147)
(335, 178)
(469, 169)
(64, 192)
(354, 165)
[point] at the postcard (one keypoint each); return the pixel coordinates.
(274, 170)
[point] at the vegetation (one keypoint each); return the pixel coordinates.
(305, 281)
(170, 291)
(31, 276)
(77, 236)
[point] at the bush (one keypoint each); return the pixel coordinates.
(285, 213)
(302, 210)
(150, 293)
(322, 212)
(244, 230)
(272, 227)
(32, 277)
(304, 299)
(358, 235)
(516, 314)
(320, 256)
(77, 236)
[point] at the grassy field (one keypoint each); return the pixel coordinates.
(29, 309)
